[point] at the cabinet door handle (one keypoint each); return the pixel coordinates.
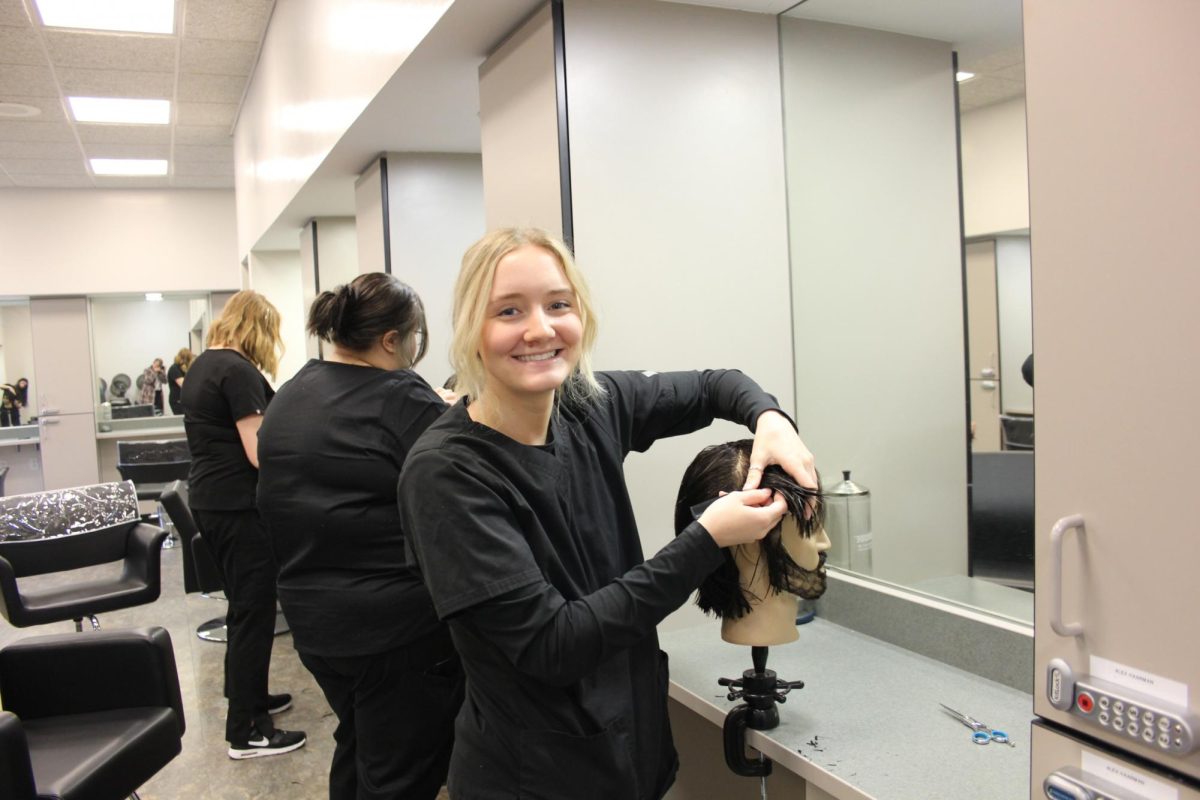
(47, 412)
(1057, 533)
(50, 421)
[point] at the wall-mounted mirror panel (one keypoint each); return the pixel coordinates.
(20, 465)
(141, 347)
(908, 224)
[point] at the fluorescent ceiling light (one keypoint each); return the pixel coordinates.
(154, 297)
(963, 77)
(139, 16)
(120, 109)
(129, 166)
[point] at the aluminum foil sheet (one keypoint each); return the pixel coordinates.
(66, 511)
(168, 451)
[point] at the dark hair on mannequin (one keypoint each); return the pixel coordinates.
(723, 468)
(355, 314)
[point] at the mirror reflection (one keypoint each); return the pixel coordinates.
(911, 290)
(20, 467)
(142, 347)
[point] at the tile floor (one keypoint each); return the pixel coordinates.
(203, 771)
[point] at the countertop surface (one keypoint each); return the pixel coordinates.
(867, 724)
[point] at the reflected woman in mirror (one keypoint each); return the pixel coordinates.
(224, 398)
(520, 521)
(183, 361)
(757, 589)
(10, 404)
(151, 382)
(330, 452)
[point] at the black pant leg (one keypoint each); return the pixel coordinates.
(396, 715)
(337, 678)
(239, 542)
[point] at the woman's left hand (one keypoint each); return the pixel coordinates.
(776, 442)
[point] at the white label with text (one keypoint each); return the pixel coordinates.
(1139, 680)
(1127, 778)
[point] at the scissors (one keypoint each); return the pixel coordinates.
(983, 734)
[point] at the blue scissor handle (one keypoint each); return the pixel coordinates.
(981, 737)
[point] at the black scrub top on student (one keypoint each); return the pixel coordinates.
(222, 387)
(173, 388)
(330, 452)
(533, 556)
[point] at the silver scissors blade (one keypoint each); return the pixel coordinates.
(973, 724)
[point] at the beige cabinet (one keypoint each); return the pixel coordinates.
(65, 392)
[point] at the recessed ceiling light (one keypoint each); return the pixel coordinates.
(120, 109)
(129, 166)
(154, 297)
(139, 16)
(18, 110)
(963, 77)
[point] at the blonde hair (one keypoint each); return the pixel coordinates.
(184, 359)
(250, 323)
(474, 288)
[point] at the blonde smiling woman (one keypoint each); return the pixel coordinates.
(520, 522)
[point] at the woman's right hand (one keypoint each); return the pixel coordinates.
(743, 517)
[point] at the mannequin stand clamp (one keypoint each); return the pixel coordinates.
(763, 691)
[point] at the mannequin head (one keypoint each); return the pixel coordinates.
(756, 590)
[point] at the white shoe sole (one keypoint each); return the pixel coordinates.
(259, 752)
(281, 709)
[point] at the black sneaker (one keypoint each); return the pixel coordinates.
(278, 703)
(259, 745)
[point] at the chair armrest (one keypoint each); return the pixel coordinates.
(50, 676)
(16, 773)
(143, 553)
(9, 596)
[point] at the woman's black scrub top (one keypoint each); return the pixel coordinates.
(532, 555)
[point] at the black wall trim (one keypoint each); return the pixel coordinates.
(564, 139)
(316, 276)
(387, 226)
(962, 258)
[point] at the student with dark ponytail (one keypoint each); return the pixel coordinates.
(330, 452)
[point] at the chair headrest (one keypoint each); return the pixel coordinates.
(62, 512)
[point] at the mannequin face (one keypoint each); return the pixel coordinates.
(805, 552)
(531, 333)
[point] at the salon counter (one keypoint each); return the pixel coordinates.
(871, 710)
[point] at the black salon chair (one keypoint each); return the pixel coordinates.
(70, 529)
(153, 465)
(200, 570)
(62, 738)
(1001, 521)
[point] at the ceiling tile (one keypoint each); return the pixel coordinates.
(116, 83)
(1014, 73)
(213, 57)
(27, 80)
(43, 166)
(128, 134)
(25, 131)
(110, 150)
(235, 20)
(52, 110)
(20, 46)
(200, 153)
(62, 150)
(216, 114)
(53, 181)
(986, 90)
(202, 182)
(120, 51)
(12, 12)
(148, 182)
(204, 168)
(217, 135)
(211, 88)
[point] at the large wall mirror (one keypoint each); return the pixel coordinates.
(910, 276)
(20, 465)
(136, 342)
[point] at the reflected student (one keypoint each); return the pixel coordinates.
(516, 508)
